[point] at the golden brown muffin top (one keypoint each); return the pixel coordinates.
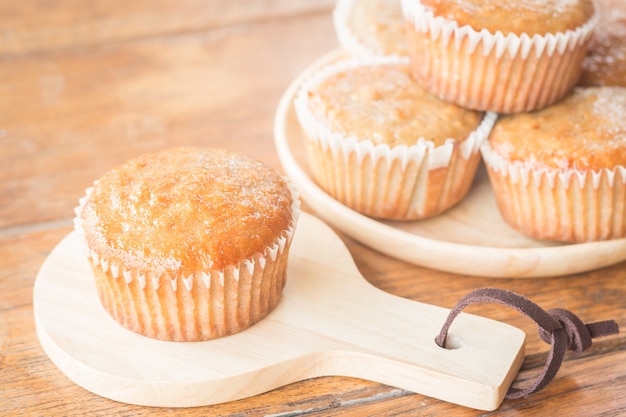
(521, 16)
(381, 103)
(379, 25)
(605, 63)
(186, 210)
(587, 130)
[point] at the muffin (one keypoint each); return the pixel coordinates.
(383, 146)
(499, 56)
(370, 27)
(188, 244)
(605, 63)
(560, 173)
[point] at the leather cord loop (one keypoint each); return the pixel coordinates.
(560, 328)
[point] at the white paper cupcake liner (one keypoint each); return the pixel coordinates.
(492, 71)
(399, 182)
(350, 41)
(563, 205)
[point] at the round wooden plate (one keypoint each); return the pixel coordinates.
(472, 238)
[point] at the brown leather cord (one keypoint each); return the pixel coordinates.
(560, 328)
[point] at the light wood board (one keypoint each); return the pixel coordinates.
(471, 238)
(330, 321)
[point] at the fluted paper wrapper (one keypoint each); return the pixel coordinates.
(204, 305)
(493, 72)
(563, 205)
(393, 183)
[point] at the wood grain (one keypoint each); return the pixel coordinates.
(41, 26)
(119, 100)
(83, 90)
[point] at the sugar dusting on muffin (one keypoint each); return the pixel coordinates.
(605, 63)
(587, 130)
(370, 27)
(189, 243)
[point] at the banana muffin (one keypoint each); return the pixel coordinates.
(499, 55)
(382, 145)
(605, 63)
(560, 173)
(370, 27)
(188, 244)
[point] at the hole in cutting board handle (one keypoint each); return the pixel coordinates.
(452, 343)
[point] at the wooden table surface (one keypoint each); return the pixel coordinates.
(86, 85)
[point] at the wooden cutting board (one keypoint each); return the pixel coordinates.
(330, 321)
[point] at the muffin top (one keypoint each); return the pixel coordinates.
(186, 210)
(605, 63)
(517, 17)
(587, 130)
(378, 25)
(382, 104)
